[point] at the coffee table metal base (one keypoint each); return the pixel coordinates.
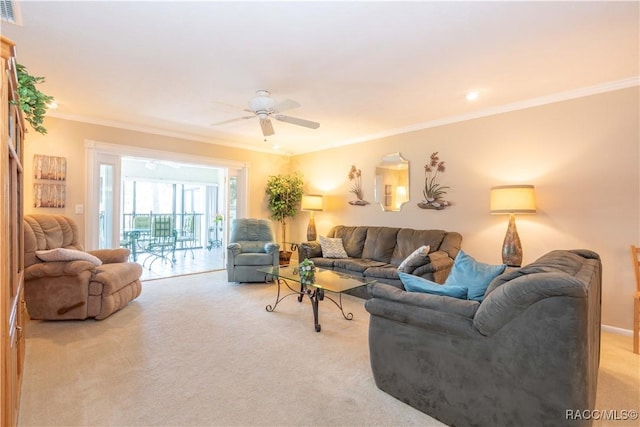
(315, 296)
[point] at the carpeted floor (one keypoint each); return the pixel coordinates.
(196, 350)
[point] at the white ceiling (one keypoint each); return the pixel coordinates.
(361, 69)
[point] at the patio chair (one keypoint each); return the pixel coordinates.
(162, 240)
(187, 236)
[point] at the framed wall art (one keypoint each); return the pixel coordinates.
(49, 167)
(49, 188)
(49, 195)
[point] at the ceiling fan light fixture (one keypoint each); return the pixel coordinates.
(264, 107)
(262, 102)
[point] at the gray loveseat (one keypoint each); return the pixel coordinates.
(525, 355)
(376, 253)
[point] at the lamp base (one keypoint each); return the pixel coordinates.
(311, 229)
(511, 247)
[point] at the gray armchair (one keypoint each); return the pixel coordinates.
(252, 245)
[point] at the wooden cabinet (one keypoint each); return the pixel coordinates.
(12, 312)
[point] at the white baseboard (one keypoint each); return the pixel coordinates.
(616, 330)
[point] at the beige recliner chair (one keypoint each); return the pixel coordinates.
(73, 283)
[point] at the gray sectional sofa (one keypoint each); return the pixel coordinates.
(526, 355)
(376, 252)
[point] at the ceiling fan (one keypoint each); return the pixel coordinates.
(265, 107)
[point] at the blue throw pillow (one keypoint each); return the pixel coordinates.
(418, 284)
(474, 275)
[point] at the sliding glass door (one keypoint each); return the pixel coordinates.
(104, 205)
(125, 182)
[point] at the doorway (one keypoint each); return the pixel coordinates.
(199, 196)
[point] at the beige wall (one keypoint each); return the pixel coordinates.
(67, 139)
(582, 156)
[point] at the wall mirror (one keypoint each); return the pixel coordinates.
(392, 182)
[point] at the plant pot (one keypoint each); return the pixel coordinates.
(358, 202)
(285, 256)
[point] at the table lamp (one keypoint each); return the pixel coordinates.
(512, 199)
(312, 203)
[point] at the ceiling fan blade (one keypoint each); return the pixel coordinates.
(297, 121)
(224, 122)
(267, 127)
(287, 104)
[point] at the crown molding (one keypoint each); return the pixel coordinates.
(157, 131)
(520, 105)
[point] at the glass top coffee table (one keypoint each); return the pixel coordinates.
(324, 281)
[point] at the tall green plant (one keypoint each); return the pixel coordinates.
(33, 102)
(284, 196)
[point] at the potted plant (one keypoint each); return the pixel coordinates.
(33, 102)
(284, 195)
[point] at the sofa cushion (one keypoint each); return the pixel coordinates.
(569, 262)
(452, 306)
(418, 284)
(62, 254)
(352, 238)
(417, 258)
(332, 247)
(408, 240)
(322, 262)
(384, 271)
(380, 244)
(472, 274)
(356, 265)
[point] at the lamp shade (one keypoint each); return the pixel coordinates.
(513, 199)
(311, 202)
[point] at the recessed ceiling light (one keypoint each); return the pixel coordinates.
(472, 96)
(276, 146)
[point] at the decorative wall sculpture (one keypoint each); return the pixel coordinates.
(433, 191)
(355, 176)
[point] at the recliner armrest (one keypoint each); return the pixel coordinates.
(271, 248)
(234, 248)
(57, 268)
(110, 256)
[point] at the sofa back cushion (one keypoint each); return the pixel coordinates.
(408, 240)
(451, 244)
(558, 261)
(380, 244)
(576, 274)
(352, 238)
